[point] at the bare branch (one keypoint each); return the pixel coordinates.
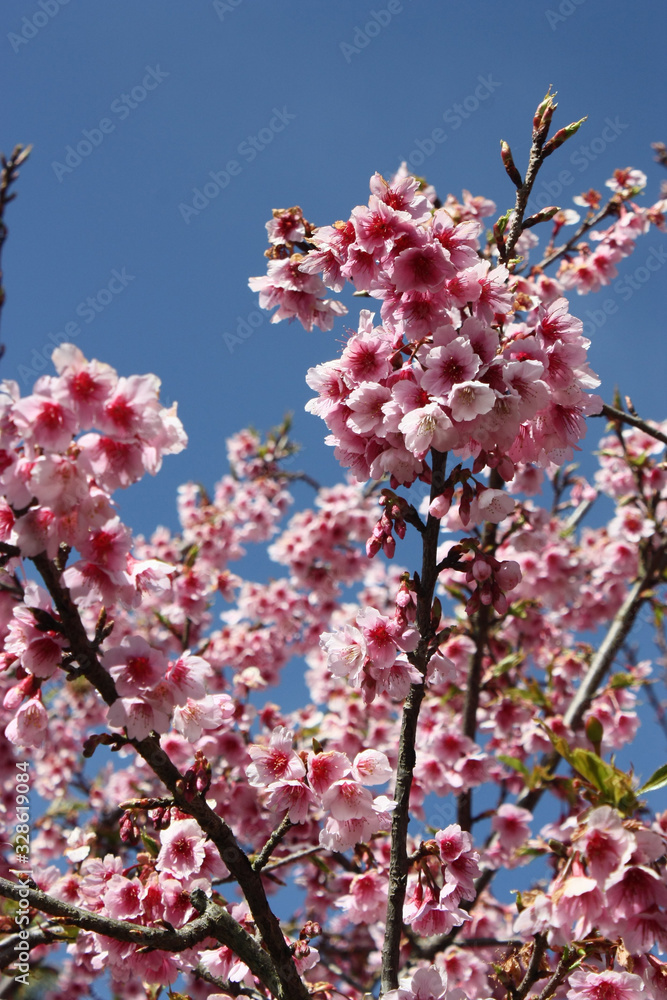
(614, 414)
(263, 857)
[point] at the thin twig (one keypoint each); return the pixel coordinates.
(615, 415)
(533, 970)
(263, 857)
(611, 208)
(506, 248)
(8, 176)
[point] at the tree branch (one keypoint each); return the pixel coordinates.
(616, 415)
(398, 865)
(533, 970)
(611, 208)
(263, 857)
(8, 175)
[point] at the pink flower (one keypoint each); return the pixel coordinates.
(326, 768)
(378, 226)
(422, 269)
(468, 399)
(122, 899)
(345, 650)
(347, 799)
(183, 850)
(425, 984)
(605, 843)
(207, 713)
(428, 427)
(58, 483)
(366, 898)
(132, 410)
(384, 636)
(635, 889)
(291, 796)
(366, 406)
(577, 906)
(187, 677)
(275, 762)
(628, 178)
(29, 726)
(605, 986)
(46, 421)
(511, 823)
(135, 666)
(445, 366)
(491, 505)
(138, 717)
(83, 385)
(372, 767)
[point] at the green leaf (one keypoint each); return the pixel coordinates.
(614, 786)
(619, 681)
(657, 780)
(507, 662)
(515, 764)
(150, 844)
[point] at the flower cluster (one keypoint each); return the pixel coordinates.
(325, 779)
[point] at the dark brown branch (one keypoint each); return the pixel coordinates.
(533, 970)
(263, 857)
(234, 989)
(398, 865)
(559, 975)
(506, 247)
(120, 930)
(8, 176)
(36, 936)
(215, 922)
(611, 208)
(616, 415)
(299, 477)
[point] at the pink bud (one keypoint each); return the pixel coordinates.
(509, 575)
(481, 569)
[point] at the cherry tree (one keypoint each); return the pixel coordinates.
(449, 700)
